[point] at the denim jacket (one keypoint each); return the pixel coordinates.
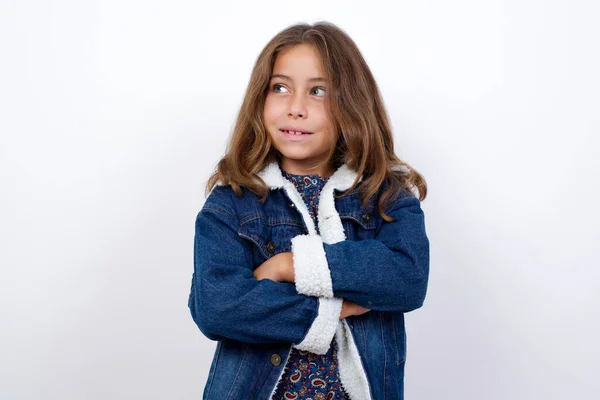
(380, 265)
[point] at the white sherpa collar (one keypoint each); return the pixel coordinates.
(342, 178)
(330, 224)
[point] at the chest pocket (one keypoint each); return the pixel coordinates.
(270, 236)
(359, 224)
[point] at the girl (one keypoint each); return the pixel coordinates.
(311, 245)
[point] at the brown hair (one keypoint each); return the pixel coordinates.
(353, 104)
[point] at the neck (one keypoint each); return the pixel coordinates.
(306, 167)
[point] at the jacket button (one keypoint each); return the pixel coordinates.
(292, 205)
(271, 247)
(275, 359)
(366, 217)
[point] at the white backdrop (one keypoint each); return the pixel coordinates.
(113, 113)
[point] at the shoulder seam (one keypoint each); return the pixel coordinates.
(218, 209)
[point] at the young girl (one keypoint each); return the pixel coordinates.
(311, 245)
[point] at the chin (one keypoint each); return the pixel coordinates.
(295, 155)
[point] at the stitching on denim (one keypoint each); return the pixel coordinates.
(359, 220)
(257, 387)
(362, 334)
(283, 221)
(250, 217)
(362, 361)
(255, 240)
(384, 352)
(218, 209)
(212, 378)
(270, 221)
(238, 371)
(393, 318)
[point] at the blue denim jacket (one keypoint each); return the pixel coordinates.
(380, 265)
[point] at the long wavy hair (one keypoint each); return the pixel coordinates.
(352, 102)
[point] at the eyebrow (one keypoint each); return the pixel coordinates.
(319, 79)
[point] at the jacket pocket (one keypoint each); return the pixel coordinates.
(270, 236)
(359, 224)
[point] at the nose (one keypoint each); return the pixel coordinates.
(298, 106)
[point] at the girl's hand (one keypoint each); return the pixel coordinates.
(279, 268)
(349, 308)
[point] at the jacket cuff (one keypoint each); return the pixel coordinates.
(311, 270)
(320, 334)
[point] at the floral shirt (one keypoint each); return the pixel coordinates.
(308, 375)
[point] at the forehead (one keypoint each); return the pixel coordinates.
(299, 62)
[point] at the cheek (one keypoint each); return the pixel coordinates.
(272, 111)
(324, 121)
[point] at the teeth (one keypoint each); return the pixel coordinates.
(294, 132)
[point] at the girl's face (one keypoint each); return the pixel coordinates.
(295, 102)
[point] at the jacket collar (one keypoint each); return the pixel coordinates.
(330, 224)
(342, 179)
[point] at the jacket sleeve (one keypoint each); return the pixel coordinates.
(386, 273)
(226, 301)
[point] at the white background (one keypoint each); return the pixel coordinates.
(113, 114)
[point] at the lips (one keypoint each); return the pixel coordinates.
(295, 131)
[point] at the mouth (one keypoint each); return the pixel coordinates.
(295, 132)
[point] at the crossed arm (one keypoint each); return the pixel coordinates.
(285, 300)
(387, 273)
(280, 268)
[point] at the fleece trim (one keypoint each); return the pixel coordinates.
(321, 332)
(352, 373)
(311, 271)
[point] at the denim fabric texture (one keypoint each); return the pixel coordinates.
(354, 254)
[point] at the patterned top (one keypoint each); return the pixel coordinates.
(308, 375)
